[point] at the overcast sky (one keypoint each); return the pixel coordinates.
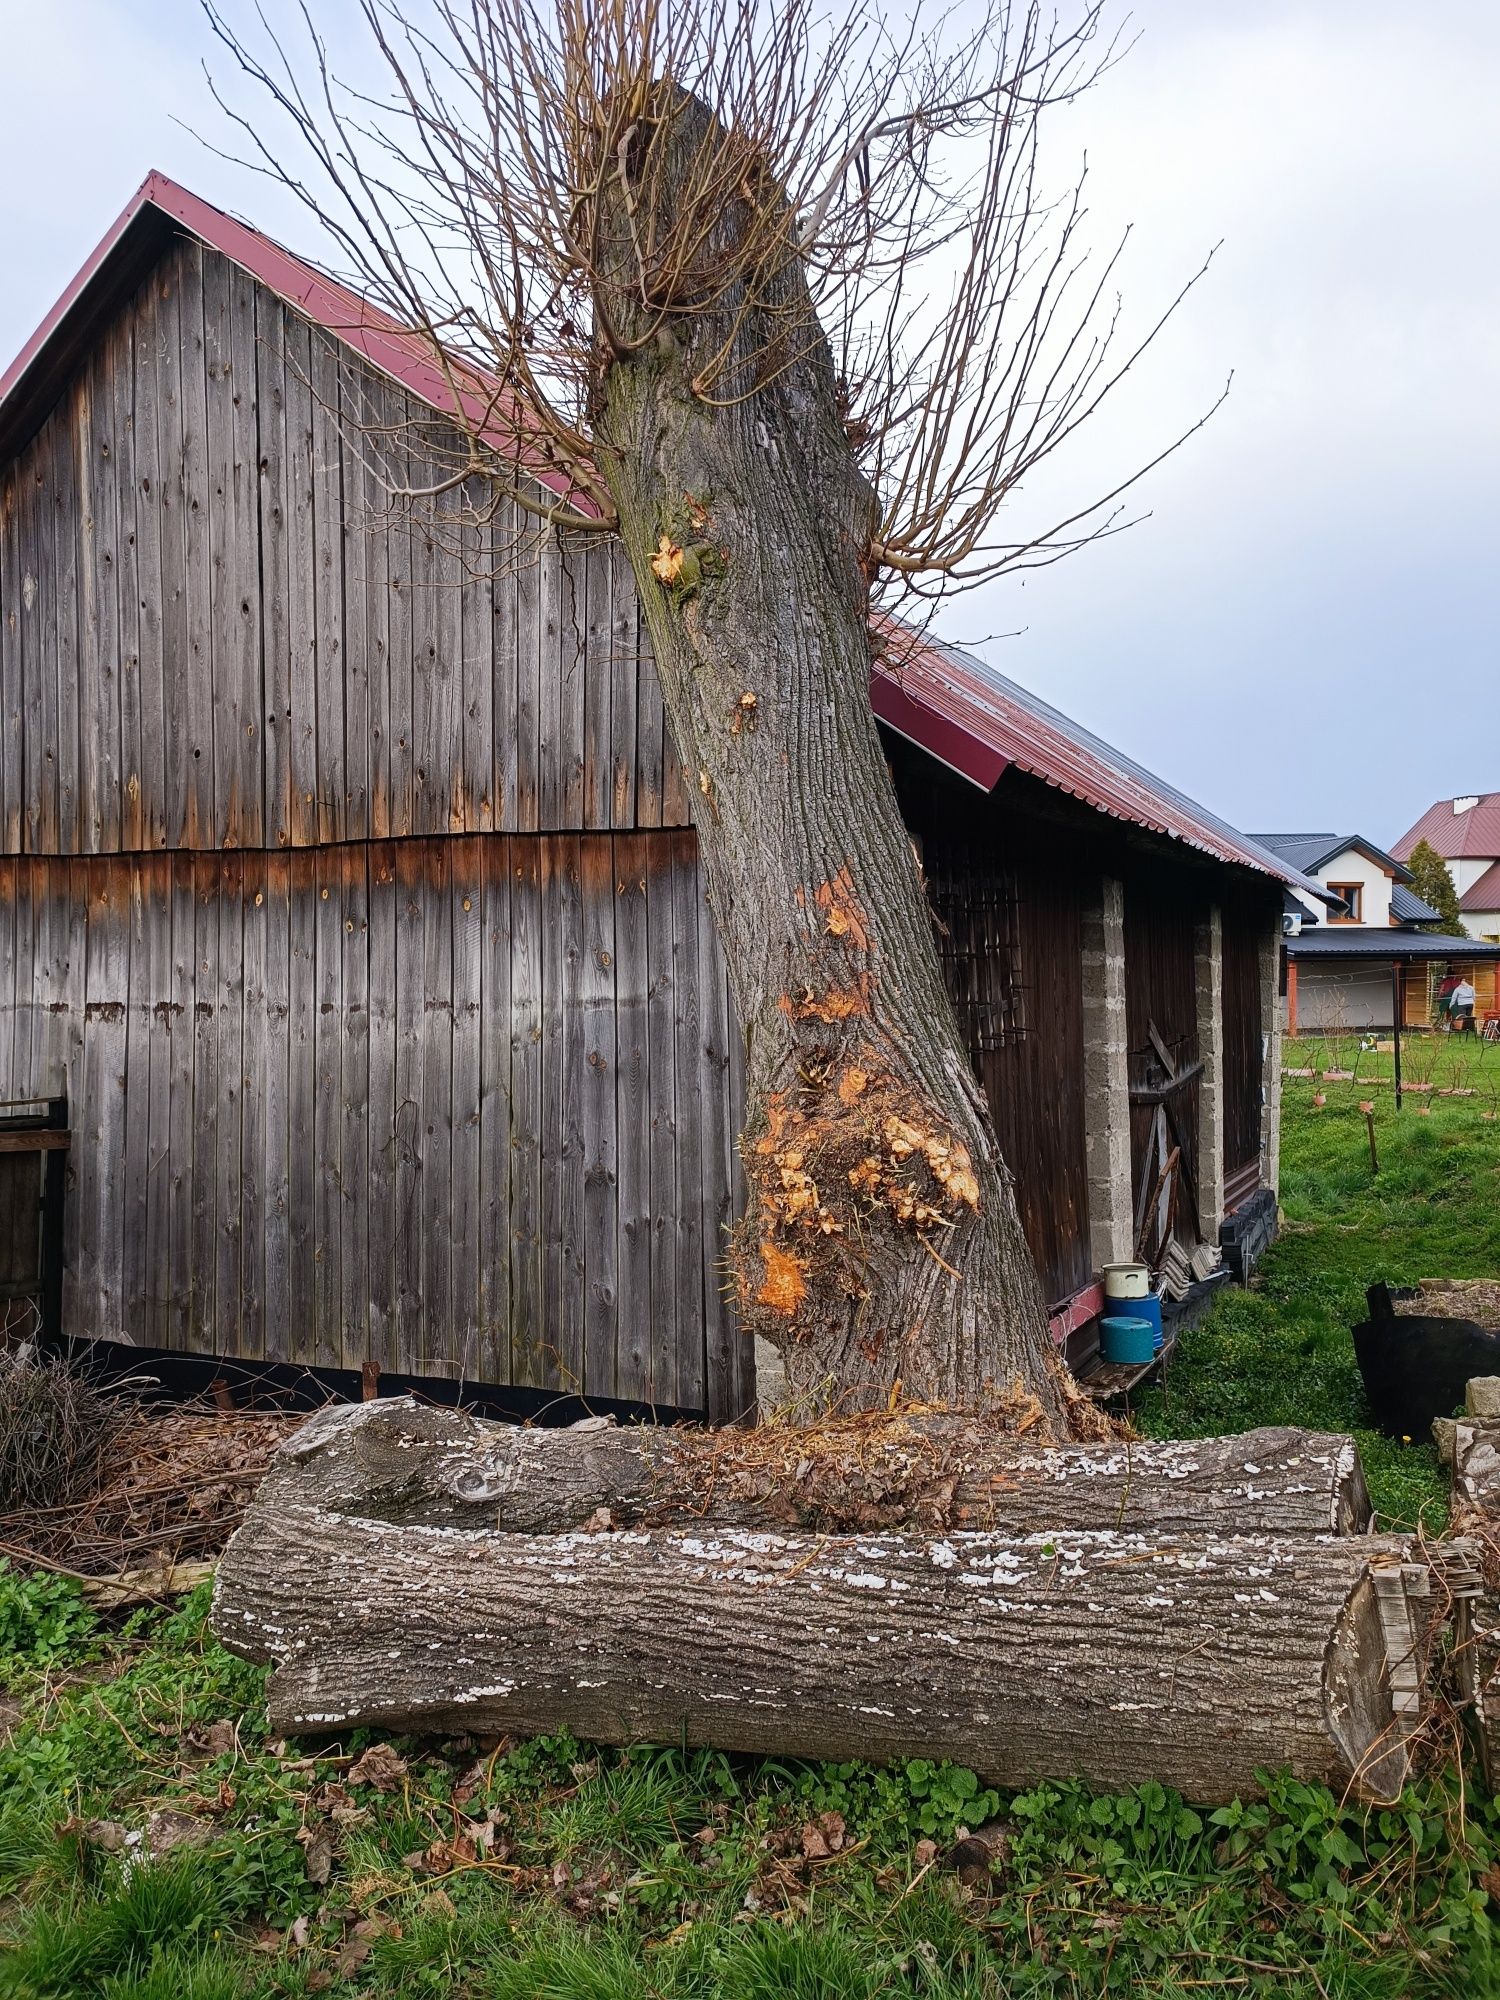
(1304, 634)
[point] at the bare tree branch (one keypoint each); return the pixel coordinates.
(478, 201)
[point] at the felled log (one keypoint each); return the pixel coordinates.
(402, 1461)
(1112, 1656)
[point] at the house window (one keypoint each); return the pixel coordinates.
(1351, 893)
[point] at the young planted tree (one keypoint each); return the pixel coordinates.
(776, 299)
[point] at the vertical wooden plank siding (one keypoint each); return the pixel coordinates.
(466, 922)
(689, 1149)
(232, 634)
(255, 1217)
(524, 866)
(208, 1101)
(271, 535)
(1160, 990)
(600, 1137)
(1010, 942)
(191, 448)
(274, 914)
(320, 1119)
(174, 774)
(236, 1103)
(1243, 928)
(380, 1280)
(355, 1179)
(632, 1018)
(328, 1110)
(669, 1310)
(494, 1036)
(328, 661)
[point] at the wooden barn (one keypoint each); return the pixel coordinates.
(357, 984)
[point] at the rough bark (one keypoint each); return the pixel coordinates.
(406, 1462)
(1115, 1657)
(881, 1243)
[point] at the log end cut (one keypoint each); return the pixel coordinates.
(1372, 1680)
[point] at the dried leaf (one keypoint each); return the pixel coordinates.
(380, 1766)
(319, 1851)
(352, 1957)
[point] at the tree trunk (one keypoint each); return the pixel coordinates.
(1112, 1657)
(881, 1243)
(404, 1462)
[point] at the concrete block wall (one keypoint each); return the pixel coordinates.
(1208, 967)
(1270, 1019)
(1106, 1079)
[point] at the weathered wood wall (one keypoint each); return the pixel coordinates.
(1010, 939)
(1244, 926)
(218, 630)
(457, 1105)
(1161, 991)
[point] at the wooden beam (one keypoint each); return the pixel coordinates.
(33, 1142)
(1159, 1093)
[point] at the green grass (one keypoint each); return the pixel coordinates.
(1281, 1353)
(555, 1871)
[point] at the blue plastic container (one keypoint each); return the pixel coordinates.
(1149, 1308)
(1130, 1341)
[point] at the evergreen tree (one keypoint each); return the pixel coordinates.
(1432, 881)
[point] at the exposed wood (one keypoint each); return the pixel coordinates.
(406, 1462)
(35, 1142)
(1198, 1662)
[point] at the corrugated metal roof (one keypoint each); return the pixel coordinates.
(978, 721)
(953, 705)
(1312, 851)
(1466, 836)
(1366, 941)
(1483, 894)
(1408, 908)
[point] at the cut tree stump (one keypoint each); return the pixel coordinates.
(402, 1461)
(1114, 1657)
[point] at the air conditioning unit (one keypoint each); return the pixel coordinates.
(1291, 924)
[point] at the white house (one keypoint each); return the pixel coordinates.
(1466, 832)
(1347, 962)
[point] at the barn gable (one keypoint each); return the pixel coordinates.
(220, 632)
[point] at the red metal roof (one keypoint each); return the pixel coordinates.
(976, 720)
(406, 357)
(1457, 836)
(954, 706)
(1485, 893)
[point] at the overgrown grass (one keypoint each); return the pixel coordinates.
(1281, 1353)
(552, 1871)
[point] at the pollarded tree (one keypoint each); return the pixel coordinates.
(774, 297)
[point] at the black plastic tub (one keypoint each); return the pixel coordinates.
(1415, 1366)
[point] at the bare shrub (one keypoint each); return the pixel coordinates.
(55, 1432)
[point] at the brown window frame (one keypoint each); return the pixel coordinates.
(1353, 894)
